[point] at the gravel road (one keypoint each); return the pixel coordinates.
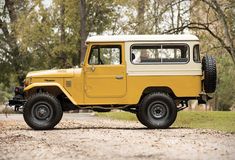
(85, 136)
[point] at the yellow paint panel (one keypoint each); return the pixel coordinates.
(46, 84)
(182, 86)
(106, 81)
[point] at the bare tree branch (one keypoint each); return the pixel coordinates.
(202, 26)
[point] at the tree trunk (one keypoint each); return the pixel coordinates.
(10, 36)
(140, 17)
(172, 18)
(63, 55)
(178, 17)
(83, 29)
(156, 16)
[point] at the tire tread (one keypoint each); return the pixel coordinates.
(47, 97)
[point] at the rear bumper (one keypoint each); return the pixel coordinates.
(203, 98)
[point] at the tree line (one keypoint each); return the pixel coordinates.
(36, 34)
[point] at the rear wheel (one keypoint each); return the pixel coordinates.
(157, 110)
(42, 111)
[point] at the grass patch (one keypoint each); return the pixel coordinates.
(118, 115)
(217, 120)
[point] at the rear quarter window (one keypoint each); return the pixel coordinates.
(159, 54)
(196, 54)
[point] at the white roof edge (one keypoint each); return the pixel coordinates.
(136, 38)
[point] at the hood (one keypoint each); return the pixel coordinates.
(54, 73)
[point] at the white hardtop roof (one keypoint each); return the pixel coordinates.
(138, 38)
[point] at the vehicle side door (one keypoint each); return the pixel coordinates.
(105, 71)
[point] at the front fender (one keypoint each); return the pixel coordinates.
(51, 84)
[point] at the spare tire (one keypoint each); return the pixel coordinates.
(210, 76)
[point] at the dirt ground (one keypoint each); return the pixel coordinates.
(85, 136)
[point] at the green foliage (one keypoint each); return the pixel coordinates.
(5, 94)
(100, 15)
(221, 121)
(225, 93)
(47, 36)
(40, 31)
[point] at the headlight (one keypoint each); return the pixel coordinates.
(27, 82)
(19, 90)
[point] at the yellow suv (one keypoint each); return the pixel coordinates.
(153, 76)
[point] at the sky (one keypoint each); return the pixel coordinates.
(47, 3)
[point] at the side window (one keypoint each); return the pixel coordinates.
(105, 55)
(160, 53)
(196, 54)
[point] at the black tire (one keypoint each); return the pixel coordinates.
(42, 111)
(157, 111)
(210, 76)
(139, 117)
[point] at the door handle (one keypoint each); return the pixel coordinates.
(119, 77)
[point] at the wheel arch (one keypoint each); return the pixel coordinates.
(162, 89)
(52, 88)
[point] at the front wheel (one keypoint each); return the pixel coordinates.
(42, 111)
(157, 110)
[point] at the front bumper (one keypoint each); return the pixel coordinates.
(18, 100)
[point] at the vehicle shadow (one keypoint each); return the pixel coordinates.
(116, 128)
(100, 128)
